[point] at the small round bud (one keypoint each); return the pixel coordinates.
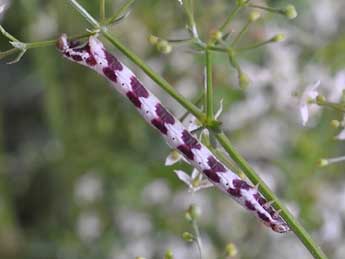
(169, 255)
(153, 39)
(290, 12)
(335, 124)
(188, 217)
(231, 250)
(322, 162)
(194, 211)
(189, 237)
(244, 80)
(254, 16)
(320, 99)
(216, 35)
(279, 37)
(164, 47)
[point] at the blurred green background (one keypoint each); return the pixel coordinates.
(83, 176)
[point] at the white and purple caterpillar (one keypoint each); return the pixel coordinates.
(95, 56)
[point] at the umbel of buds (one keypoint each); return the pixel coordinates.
(162, 46)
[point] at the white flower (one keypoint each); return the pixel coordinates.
(180, 1)
(341, 135)
(195, 181)
(308, 95)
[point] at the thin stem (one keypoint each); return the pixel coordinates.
(257, 45)
(198, 237)
(83, 12)
(196, 102)
(7, 35)
(120, 11)
(208, 86)
(241, 33)
(9, 52)
(266, 8)
(230, 17)
(102, 10)
(301, 233)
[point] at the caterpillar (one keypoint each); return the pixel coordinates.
(93, 54)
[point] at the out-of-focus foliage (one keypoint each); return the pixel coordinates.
(83, 176)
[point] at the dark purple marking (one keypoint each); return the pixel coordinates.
(113, 63)
(241, 184)
(234, 192)
(77, 58)
(160, 125)
(108, 72)
(215, 165)
(190, 141)
(164, 115)
(212, 175)
(138, 88)
(186, 151)
(259, 199)
(91, 60)
(263, 216)
(135, 100)
(249, 205)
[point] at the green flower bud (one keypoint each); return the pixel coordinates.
(164, 47)
(231, 250)
(194, 211)
(290, 12)
(169, 255)
(244, 80)
(254, 16)
(189, 237)
(216, 35)
(279, 37)
(322, 162)
(335, 124)
(153, 39)
(320, 99)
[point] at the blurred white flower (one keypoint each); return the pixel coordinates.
(159, 186)
(88, 188)
(89, 226)
(307, 96)
(336, 87)
(195, 181)
(133, 224)
(341, 135)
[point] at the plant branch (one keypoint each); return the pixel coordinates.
(126, 5)
(208, 86)
(102, 10)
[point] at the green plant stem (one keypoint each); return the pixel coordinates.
(208, 86)
(266, 8)
(102, 10)
(198, 237)
(85, 13)
(124, 7)
(241, 33)
(230, 18)
(255, 46)
(301, 233)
